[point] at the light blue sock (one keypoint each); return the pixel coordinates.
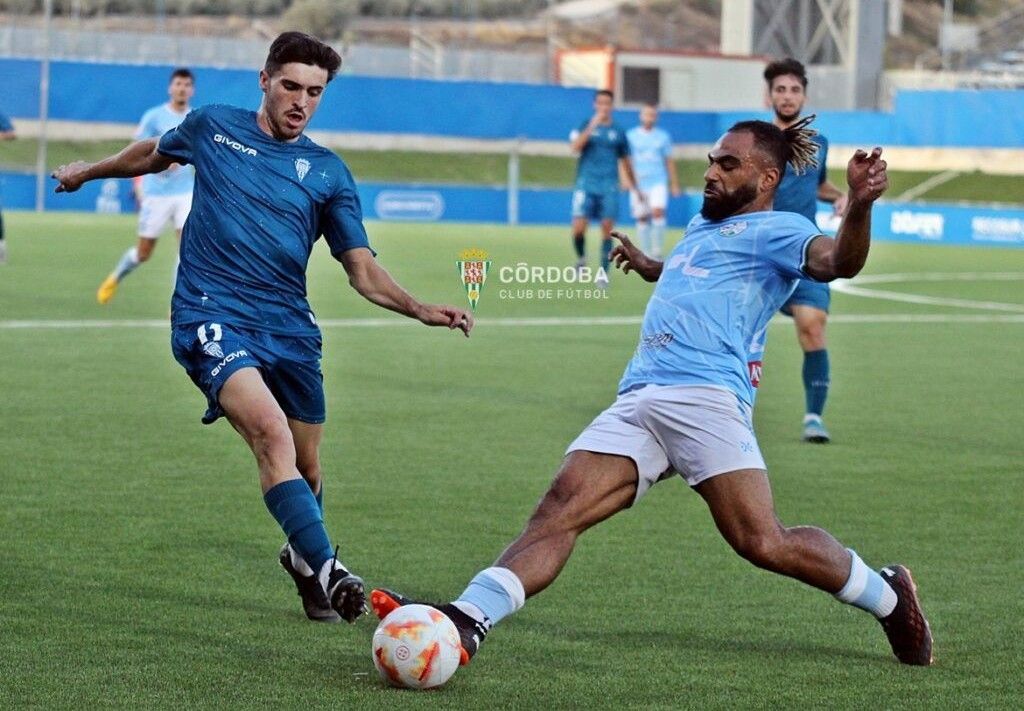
(657, 236)
(867, 589)
(643, 234)
(294, 507)
(129, 261)
(495, 592)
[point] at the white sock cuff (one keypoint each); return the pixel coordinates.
(857, 581)
(659, 221)
(511, 583)
(133, 254)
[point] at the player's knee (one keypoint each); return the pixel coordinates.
(269, 435)
(557, 505)
(759, 547)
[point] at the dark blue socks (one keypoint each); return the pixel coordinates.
(606, 249)
(295, 508)
(579, 242)
(816, 380)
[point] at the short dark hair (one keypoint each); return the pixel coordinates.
(793, 145)
(304, 49)
(604, 92)
(784, 67)
(183, 73)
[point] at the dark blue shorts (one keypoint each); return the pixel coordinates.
(596, 206)
(809, 293)
(211, 352)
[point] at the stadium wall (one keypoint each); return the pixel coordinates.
(922, 223)
(119, 94)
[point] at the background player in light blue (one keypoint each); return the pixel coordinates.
(241, 325)
(165, 196)
(6, 134)
(650, 150)
(799, 193)
(684, 402)
(603, 150)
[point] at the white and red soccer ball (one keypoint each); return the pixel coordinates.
(416, 647)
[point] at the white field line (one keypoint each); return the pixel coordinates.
(853, 288)
(921, 188)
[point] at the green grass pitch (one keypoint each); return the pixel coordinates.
(139, 565)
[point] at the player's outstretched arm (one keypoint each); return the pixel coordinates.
(844, 256)
(629, 258)
(374, 284)
(137, 158)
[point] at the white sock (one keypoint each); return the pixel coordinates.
(657, 236)
(298, 562)
(643, 233)
(129, 260)
(867, 589)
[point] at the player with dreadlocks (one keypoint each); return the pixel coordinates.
(684, 403)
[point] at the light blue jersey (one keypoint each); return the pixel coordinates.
(176, 180)
(597, 171)
(799, 193)
(258, 207)
(705, 323)
(648, 151)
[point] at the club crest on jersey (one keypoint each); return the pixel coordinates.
(732, 229)
(301, 168)
(213, 349)
(473, 266)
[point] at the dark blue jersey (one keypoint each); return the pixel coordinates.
(799, 193)
(259, 205)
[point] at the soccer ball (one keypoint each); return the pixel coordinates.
(416, 647)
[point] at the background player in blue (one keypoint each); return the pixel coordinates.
(166, 196)
(684, 402)
(241, 325)
(650, 151)
(6, 134)
(799, 193)
(603, 149)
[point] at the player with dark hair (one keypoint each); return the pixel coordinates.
(685, 401)
(241, 325)
(799, 193)
(163, 197)
(603, 151)
(6, 134)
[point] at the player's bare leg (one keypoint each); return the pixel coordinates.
(810, 325)
(256, 415)
(129, 261)
(743, 509)
(588, 488)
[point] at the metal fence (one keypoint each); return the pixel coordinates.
(421, 58)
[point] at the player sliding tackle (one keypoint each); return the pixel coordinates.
(241, 325)
(684, 402)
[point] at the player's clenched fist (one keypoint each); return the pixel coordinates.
(866, 175)
(70, 176)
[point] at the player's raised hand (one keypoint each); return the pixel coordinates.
(628, 257)
(71, 176)
(867, 176)
(450, 316)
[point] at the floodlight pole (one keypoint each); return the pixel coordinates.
(44, 106)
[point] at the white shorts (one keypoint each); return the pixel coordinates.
(698, 431)
(657, 196)
(158, 209)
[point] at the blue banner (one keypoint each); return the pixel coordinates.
(93, 92)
